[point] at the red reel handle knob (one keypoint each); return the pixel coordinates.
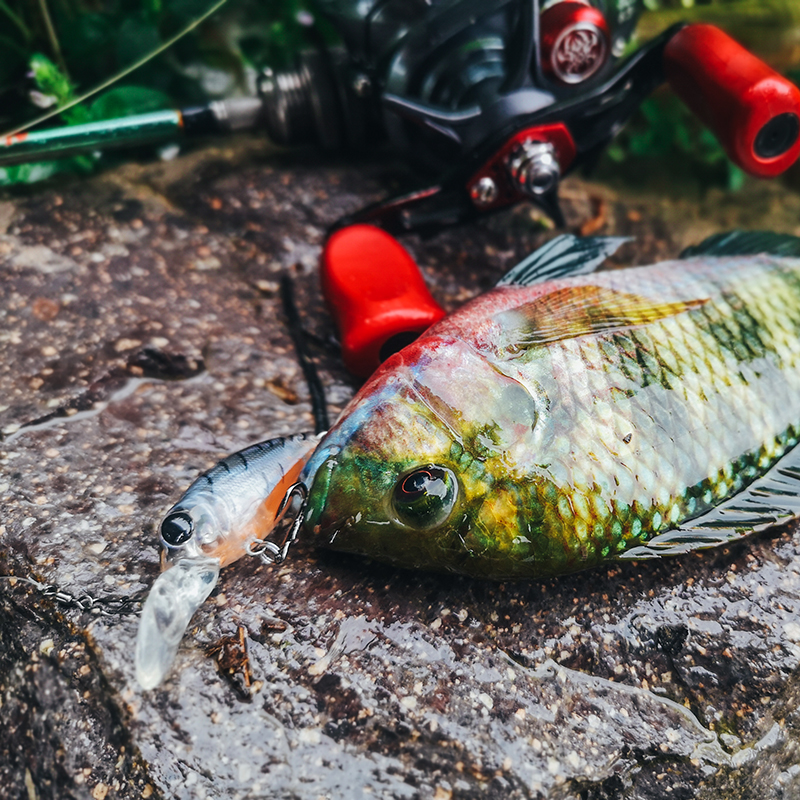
(575, 41)
(752, 110)
(376, 294)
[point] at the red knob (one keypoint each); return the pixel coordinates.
(574, 41)
(752, 110)
(376, 294)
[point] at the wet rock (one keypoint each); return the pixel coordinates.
(141, 340)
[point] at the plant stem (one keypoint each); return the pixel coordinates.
(51, 35)
(17, 20)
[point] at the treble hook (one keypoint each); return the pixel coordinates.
(271, 552)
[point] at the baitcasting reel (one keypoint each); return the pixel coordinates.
(451, 83)
(503, 99)
(498, 100)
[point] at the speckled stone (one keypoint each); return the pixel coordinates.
(140, 340)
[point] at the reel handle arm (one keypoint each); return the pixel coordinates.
(376, 294)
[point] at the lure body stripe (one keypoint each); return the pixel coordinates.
(247, 471)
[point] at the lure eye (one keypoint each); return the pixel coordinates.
(425, 497)
(177, 528)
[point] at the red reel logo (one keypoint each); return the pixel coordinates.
(579, 52)
(574, 41)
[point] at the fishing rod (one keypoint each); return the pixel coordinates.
(219, 117)
(496, 101)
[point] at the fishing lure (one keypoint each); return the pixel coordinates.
(562, 419)
(224, 514)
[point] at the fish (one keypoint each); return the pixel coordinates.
(570, 417)
(223, 515)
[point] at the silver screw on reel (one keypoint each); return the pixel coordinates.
(533, 167)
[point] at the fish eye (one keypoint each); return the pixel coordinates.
(177, 528)
(425, 497)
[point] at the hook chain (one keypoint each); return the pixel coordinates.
(104, 606)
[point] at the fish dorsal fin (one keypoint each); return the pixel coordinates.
(770, 500)
(745, 243)
(563, 257)
(580, 310)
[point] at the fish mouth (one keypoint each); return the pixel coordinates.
(337, 529)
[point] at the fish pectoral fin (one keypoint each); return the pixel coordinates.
(580, 310)
(770, 500)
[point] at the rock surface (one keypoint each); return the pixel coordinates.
(141, 340)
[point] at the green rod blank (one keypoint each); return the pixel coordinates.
(67, 141)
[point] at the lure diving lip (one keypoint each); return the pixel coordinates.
(226, 513)
(173, 599)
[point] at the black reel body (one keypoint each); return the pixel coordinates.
(439, 78)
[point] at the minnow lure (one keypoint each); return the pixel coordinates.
(560, 420)
(222, 516)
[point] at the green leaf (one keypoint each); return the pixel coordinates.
(125, 100)
(735, 177)
(53, 83)
(49, 78)
(30, 173)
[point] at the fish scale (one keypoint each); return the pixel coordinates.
(658, 394)
(719, 394)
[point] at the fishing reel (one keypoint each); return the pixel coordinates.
(501, 100)
(496, 102)
(448, 82)
(438, 78)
